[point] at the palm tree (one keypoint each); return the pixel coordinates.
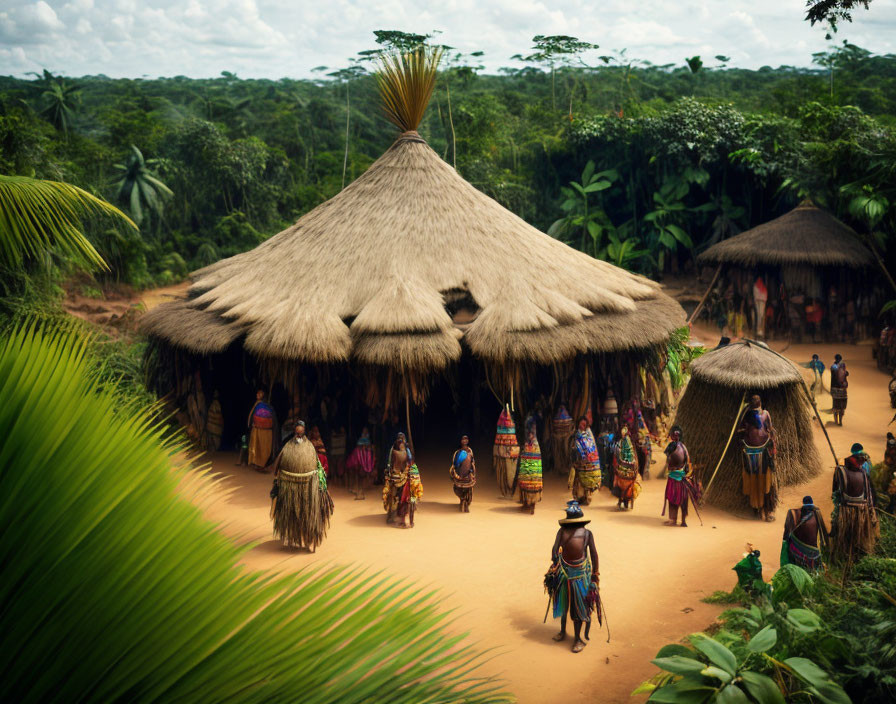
(60, 101)
(140, 188)
(38, 216)
(103, 555)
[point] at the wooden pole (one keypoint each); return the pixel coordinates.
(727, 444)
(407, 417)
(699, 307)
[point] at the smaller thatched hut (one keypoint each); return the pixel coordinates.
(711, 406)
(807, 258)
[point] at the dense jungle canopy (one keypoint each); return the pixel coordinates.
(639, 164)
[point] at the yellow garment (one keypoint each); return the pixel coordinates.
(261, 442)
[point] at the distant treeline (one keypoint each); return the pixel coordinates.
(664, 159)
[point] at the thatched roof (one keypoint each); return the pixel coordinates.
(367, 273)
(372, 273)
(745, 365)
(806, 235)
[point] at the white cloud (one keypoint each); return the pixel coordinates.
(273, 38)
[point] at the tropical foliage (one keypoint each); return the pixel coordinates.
(115, 588)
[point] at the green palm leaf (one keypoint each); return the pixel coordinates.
(113, 588)
(36, 216)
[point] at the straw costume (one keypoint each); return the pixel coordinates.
(463, 473)
(506, 453)
(562, 429)
(301, 505)
(529, 480)
(854, 524)
(262, 421)
(626, 481)
(573, 580)
(585, 475)
(804, 536)
(361, 466)
(403, 487)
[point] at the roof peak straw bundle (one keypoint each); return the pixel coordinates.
(807, 235)
(406, 82)
(373, 274)
(721, 380)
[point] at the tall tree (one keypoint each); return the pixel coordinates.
(346, 76)
(556, 50)
(832, 12)
(140, 188)
(60, 100)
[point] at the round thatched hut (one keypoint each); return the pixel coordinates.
(712, 405)
(409, 283)
(806, 257)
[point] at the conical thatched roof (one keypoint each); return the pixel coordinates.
(746, 364)
(806, 235)
(369, 272)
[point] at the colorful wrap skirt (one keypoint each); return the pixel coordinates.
(529, 479)
(838, 394)
(759, 476)
(802, 554)
(571, 587)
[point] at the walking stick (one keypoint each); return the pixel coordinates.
(743, 403)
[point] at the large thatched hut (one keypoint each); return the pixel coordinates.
(805, 257)
(407, 284)
(712, 405)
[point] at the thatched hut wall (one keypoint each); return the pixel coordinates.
(708, 410)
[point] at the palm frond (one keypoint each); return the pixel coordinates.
(37, 215)
(406, 82)
(115, 588)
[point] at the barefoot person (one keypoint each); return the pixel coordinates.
(678, 471)
(759, 481)
(573, 580)
(361, 466)
(261, 432)
(585, 475)
(854, 525)
(529, 479)
(626, 481)
(804, 536)
(838, 388)
(463, 473)
(301, 505)
(403, 486)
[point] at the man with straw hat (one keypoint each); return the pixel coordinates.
(301, 505)
(573, 581)
(854, 524)
(759, 482)
(804, 536)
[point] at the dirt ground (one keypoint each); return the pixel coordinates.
(488, 565)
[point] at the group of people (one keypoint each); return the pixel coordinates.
(769, 306)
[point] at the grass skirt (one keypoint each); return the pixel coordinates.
(302, 510)
(857, 526)
(261, 442)
(505, 468)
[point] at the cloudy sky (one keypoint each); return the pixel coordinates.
(276, 38)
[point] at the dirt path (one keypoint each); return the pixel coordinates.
(489, 564)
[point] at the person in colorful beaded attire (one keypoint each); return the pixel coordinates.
(506, 453)
(759, 481)
(573, 580)
(626, 482)
(315, 437)
(678, 472)
(463, 473)
(585, 475)
(262, 421)
(301, 505)
(529, 478)
(361, 466)
(804, 536)
(640, 433)
(403, 487)
(854, 524)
